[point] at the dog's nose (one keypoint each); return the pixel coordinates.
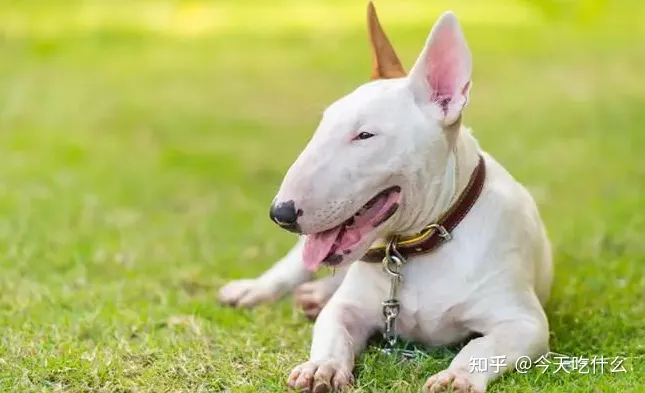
(286, 215)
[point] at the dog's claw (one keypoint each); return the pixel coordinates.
(457, 381)
(313, 378)
(246, 293)
(321, 387)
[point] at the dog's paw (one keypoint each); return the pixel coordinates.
(319, 378)
(247, 293)
(312, 296)
(452, 380)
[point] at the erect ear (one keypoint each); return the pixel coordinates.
(385, 62)
(441, 74)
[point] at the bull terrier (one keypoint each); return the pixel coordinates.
(391, 170)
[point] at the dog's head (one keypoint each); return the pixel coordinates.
(379, 151)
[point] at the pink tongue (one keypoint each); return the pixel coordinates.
(317, 246)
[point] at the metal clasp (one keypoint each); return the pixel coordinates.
(392, 265)
(443, 232)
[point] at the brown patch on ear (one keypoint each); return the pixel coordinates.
(385, 62)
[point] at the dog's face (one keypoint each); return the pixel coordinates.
(377, 154)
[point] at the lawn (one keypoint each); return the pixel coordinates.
(142, 143)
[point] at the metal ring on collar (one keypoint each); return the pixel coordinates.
(393, 260)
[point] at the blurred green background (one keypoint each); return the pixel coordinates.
(141, 144)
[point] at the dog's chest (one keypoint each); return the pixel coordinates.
(430, 296)
(430, 309)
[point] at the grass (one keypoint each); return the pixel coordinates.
(142, 143)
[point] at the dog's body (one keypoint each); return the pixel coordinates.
(492, 278)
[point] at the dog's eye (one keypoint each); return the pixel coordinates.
(364, 135)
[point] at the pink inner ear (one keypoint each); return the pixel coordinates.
(444, 67)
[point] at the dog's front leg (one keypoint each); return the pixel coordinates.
(312, 296)
(518, 334)
(340, 333)
(282, 278)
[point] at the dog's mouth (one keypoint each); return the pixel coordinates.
(331, 246)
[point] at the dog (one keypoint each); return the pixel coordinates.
(391, 170)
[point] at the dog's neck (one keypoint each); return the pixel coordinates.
(441, 191)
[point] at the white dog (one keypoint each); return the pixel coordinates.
(390, 163)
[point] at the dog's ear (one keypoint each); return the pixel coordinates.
(385, 62)
(441, 74)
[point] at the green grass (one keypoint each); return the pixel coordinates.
(142, 142)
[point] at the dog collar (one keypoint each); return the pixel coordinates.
(435, 234)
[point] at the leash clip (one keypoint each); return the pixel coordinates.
(392, 265)
(393, 261)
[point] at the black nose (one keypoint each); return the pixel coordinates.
(286, 215)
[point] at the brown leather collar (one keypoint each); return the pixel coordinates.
(434, 235)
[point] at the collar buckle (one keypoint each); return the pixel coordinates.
(443, 232)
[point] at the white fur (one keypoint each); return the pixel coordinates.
(493, 278)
